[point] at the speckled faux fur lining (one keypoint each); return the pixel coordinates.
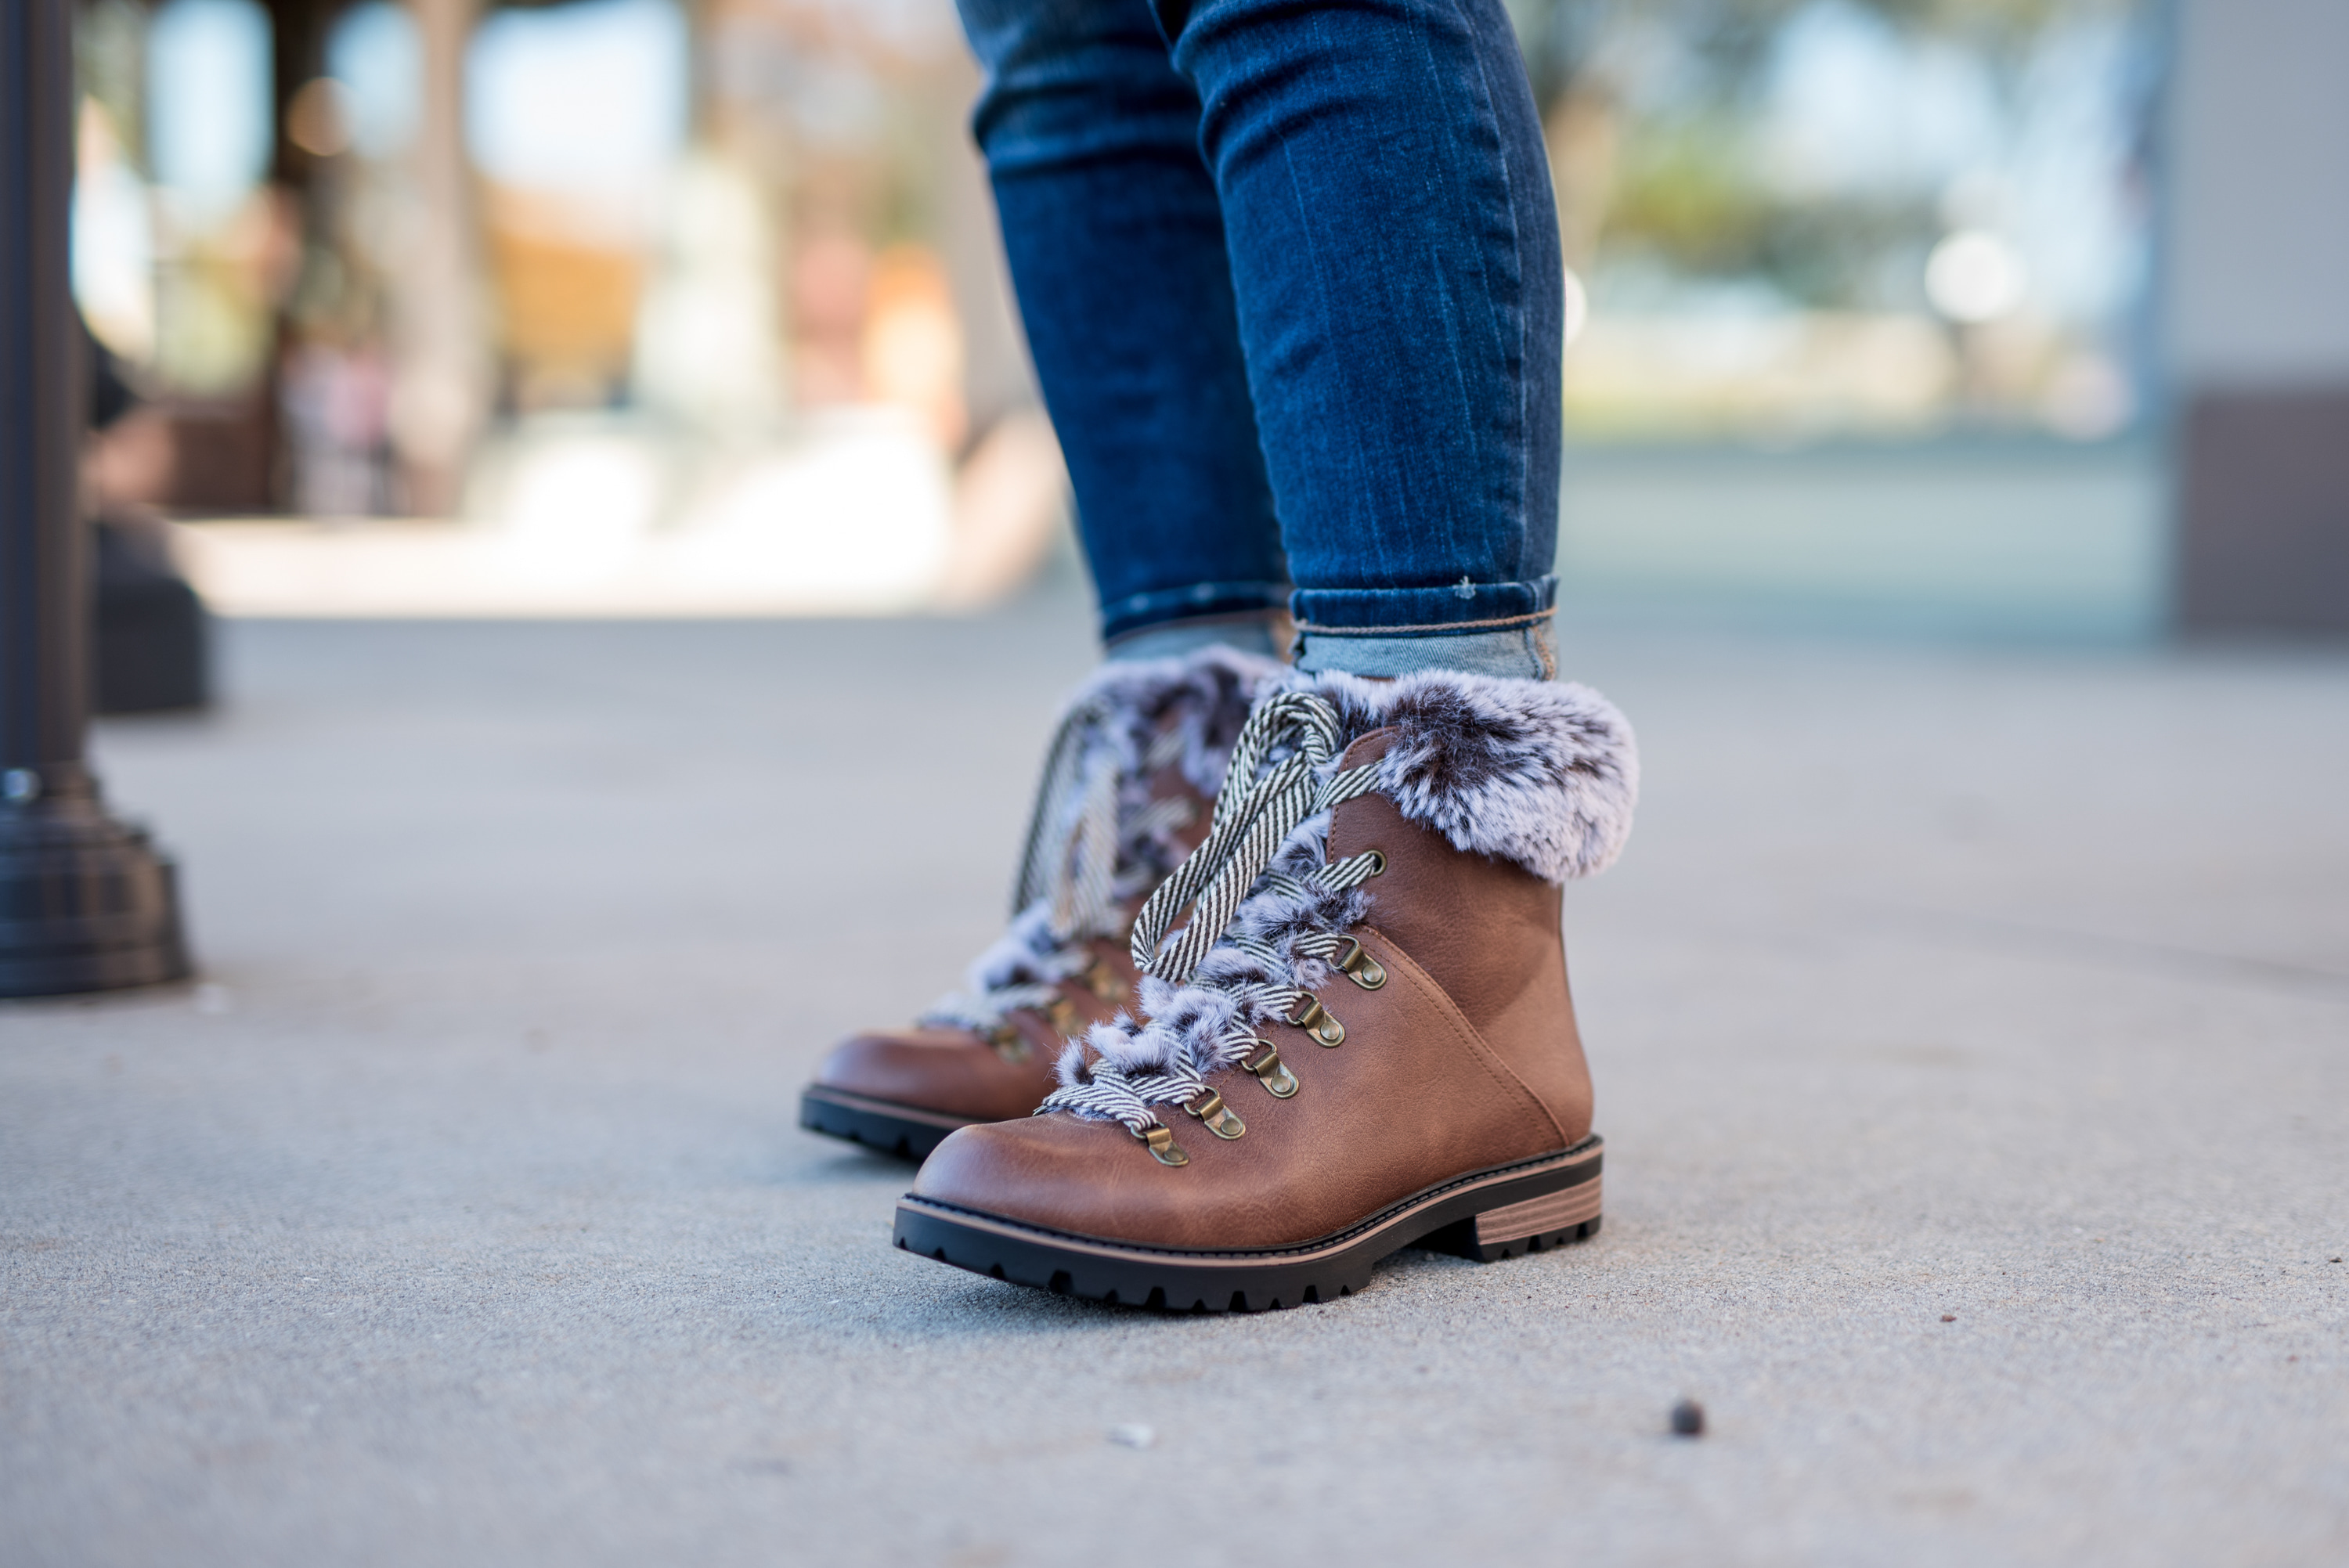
(1540, 774)
(1545, 774)
(1205, 695)
(1192, 707)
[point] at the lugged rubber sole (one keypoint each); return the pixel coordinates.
(1528, 1206)
(907, 1132)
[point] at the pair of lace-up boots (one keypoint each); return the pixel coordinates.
(1283, 992)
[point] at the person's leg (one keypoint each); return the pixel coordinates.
(1116, 247)
(1394, 250)
(1369, 929)
(1115, 240)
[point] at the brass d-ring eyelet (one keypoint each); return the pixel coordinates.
(1220, 1119)
(1317, 1020)
(1378, 863)
(1354, 962)
(1161, 1143)
(1267, 1068)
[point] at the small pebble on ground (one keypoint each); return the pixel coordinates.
(1687, 1420)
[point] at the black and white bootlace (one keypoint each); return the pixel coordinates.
(1280, 777)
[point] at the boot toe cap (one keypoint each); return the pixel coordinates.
(1085, 1178)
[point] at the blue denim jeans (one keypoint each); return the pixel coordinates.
(1291, 279)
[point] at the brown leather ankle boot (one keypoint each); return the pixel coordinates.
(1140, 752)
(1363, 1038)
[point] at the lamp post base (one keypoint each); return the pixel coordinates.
(86, 903)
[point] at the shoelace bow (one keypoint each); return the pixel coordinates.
(1070, 862)
(1254, 816)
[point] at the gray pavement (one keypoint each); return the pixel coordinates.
(1972, 1040)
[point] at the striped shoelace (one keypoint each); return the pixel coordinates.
(1253, 817)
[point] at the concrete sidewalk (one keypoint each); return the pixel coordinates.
(1972, 1033)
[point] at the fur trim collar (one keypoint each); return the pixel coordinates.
(1203, 696)
(1542, 774)
(1539, 774)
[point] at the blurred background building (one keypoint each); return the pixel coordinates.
(2017, 316)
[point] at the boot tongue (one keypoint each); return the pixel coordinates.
(1255, 813)
(1043, 863)
(1084, 873)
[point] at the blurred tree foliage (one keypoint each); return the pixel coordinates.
(1683, 192)
(1736, 35)
(1673, 180)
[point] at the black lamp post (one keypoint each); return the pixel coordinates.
(85, 902)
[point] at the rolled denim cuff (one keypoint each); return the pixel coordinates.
(1523, 653)
(1140, 612)
(1488, 628)
(1459, 610)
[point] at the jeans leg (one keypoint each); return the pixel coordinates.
(1115, 239)
(1395, 257)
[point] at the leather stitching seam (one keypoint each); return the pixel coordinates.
(1499, 1071)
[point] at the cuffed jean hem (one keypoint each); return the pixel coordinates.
(1140, 612)
(1461, 608)
(1525, 652)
